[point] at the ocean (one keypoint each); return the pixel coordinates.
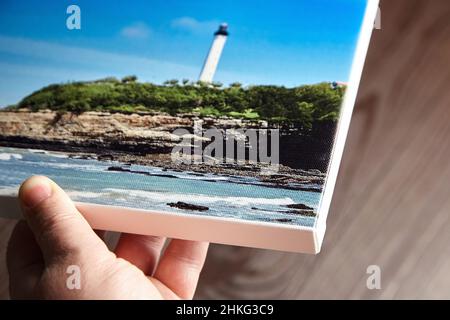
(90, 181)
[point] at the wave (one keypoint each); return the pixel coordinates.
(8, 156)
(49, 153)
(83, 194)
(181, 175)
(195, 198)
(37, 151)
(58, 155)
(72, 166)
(205, 177)
(9, 191)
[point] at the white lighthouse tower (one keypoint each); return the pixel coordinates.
(212, 60)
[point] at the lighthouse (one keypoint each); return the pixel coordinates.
(213, 57)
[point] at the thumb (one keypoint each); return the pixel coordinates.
(59, 228)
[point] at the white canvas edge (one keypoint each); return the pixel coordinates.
(190, 227)
(345, 117)
(231, 231)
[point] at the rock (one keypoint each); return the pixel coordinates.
(82, 157)
(159, 175)
(187, 206)
(306, 213)
(299, 206)
(120, 169)
(283, 220)
(196, 174)
(92, 132)
(144, 139)
(145, 173)
(105, 157)
(302, 212)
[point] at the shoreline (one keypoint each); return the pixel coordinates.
(148, 140)
(288, 212)
(284, 178)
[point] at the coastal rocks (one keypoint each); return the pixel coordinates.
(283, 220)
(145, 173)
(295, 179)
(295, 210)
(105, 157)
(187, 206)
(301, 209)
(142, 140)
(91, 131)
(120, 169)
(299, 206)
(305, 213)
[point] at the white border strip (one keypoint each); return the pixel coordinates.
(346, 115)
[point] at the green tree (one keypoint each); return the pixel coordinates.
(128, 79)
(310, 106)
(217, 85)
(172, 82)
(236, 85)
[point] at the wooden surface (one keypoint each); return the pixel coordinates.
(392, 202)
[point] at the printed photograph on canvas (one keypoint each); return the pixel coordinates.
(226, 109)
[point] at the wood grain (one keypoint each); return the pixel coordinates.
(392, 202)
(391, 206)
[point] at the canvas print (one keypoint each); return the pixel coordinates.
(225, 109)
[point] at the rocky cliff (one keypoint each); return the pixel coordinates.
(142, 139)
(91, 131)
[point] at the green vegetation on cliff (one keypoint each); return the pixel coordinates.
(305, 104)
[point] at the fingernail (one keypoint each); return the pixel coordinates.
(35, 190)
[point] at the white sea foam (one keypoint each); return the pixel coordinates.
(190, 177)
(8, 191)
(83, 194)
(196, 198)
(180, 175)
(57, 155)
(72, 166)
(8, 156)
(48, 153)
(36, 151)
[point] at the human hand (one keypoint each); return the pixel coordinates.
(55, 236)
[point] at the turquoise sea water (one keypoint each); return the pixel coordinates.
(89, 181)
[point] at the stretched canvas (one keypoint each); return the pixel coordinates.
(220, 121)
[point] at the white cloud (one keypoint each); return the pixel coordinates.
(193, 25)
(78, 58)
(137, 30)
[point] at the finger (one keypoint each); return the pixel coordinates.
(142, 251)
(24, 261)
(57, 225)
(180, 266)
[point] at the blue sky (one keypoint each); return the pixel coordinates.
(290, 42)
